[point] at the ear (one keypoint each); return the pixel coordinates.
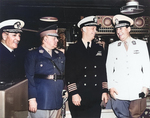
(4, 36)
(45, 39)
(129, 29)
(84, 29)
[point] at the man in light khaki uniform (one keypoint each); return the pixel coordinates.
(128, 68)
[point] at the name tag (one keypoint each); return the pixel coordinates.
(99, 53)
(136, 52)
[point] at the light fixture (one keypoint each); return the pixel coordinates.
(132, 7)
(49, 19)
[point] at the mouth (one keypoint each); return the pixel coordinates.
(119, 35)
(16, 42)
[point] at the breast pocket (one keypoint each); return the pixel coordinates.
(43, 66)
(60, 63)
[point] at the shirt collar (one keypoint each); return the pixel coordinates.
(85, 43)
(128, 40)
(7, 47)
(48, 51)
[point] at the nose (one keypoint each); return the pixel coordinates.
(95, 29)
(56, 39)
(18, 37)
(118, 30)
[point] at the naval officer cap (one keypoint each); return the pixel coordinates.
(122, 21)
(87, 21)
(12, 26)
(49, 31)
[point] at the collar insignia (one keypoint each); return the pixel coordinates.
(133, 42)
(41, 51)
(56, 52)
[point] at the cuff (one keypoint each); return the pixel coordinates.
(105, 90)
(72, 89)
(32, 99)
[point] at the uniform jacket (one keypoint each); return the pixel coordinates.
(128, 71)
(11, 67)
(47, 92)
(86, 70)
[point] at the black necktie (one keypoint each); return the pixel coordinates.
(88, 43)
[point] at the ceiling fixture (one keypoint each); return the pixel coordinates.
(132, 7)
(49, 19)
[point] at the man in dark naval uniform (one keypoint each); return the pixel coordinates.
(10, 68)
(85, 73)
(44, 68)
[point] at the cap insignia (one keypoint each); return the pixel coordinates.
(17, 25)
(95, 19)
(116, 21)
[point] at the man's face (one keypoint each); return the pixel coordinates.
(90, 31)
(12, 39)
(51, 42)
(123, 33)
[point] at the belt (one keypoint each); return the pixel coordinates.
(54, 77)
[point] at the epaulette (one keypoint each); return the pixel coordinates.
(32, 48)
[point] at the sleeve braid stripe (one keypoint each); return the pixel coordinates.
(72, 87)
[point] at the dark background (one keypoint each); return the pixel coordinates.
(68, 13)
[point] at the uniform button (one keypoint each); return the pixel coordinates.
(95, 67)
(85, 67)
(68, 82)
(85, 75)
(84, 84)
(95, 84)
(62, 62)
(54, 66)
(41, 65)
(95, 75)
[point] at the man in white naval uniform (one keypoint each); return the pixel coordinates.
(128, 68)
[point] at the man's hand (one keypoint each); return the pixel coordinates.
(76, 99)
(105, 97)
(113, 91)
(145, 90)
(33, 105)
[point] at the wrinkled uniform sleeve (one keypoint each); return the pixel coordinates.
(29, 69)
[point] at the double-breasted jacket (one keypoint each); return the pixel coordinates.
(85, 72)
